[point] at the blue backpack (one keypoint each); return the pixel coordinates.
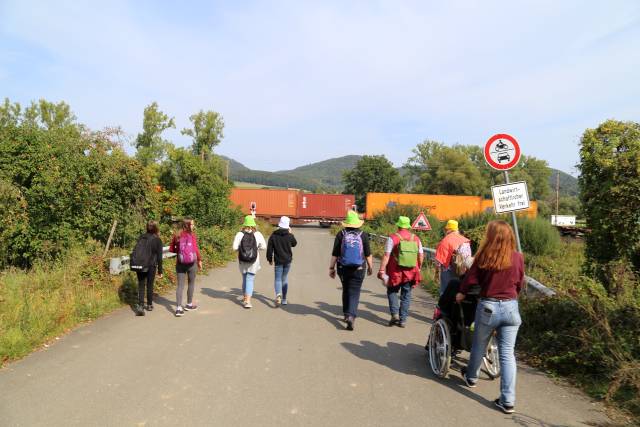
(351, 253)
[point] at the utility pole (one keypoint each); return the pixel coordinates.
(557, 193)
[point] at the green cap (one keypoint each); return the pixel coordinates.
(249, 221)
(352, 220)
(403, 222)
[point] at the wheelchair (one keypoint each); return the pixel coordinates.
(452, 332)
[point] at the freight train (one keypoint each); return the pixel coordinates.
(301, 207)
(327, 209)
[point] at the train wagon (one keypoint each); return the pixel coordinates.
(301, 207)
(266, 203)
(325, 208)
(441, 206)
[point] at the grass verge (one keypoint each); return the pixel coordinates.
(42, 303)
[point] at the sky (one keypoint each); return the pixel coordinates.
(302, 81)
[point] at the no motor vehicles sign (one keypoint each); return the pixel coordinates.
(510, 197)
(502, 152)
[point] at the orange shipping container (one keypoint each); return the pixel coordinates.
(443, 207)
(325, 206)
(267, 202)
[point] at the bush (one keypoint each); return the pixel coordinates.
(537, 236)
(587, 336)
(71, 183)
(610, 196)
(384, 223)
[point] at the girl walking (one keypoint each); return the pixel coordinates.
(247, 243)
(146, 258)
(499, 271)
(352, 256)
(279, 251)
(188, 262)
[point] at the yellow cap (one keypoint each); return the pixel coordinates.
(452, 225)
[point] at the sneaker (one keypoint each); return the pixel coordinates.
(402, 324)
(191, 307)
(148, 307)
(139, 310)
(507, 409)
(247, 304)
(284, 301)
(278, 300)
(467, 381)
(179, 312)
(394, 320)
(350, 321)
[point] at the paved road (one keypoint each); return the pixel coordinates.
(294, 366)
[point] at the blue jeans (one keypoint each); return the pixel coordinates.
(281, 283)
(405, 300)
(445, 277)
(504, 317)
(247, 283)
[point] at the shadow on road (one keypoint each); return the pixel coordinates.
(411, 359)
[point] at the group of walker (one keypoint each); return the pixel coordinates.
(496, 274)
(493, 279)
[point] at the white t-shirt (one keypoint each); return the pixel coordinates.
(247, 267)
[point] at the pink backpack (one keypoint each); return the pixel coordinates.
(186, 249)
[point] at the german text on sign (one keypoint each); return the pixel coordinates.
(510, 197)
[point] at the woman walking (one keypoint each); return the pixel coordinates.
(499, 271)
(188, 262)
(145, 259)
(279, 252)
(352, 255)
(247, 243)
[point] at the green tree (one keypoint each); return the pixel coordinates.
(198, 188)
(372, 174)
(439, 169)
(206, 132)
(68, 183)
(610, 193)
(150, 145)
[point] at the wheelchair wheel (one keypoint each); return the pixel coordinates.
(439, 346)
(491, 360)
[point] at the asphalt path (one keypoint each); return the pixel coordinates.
(290, 366)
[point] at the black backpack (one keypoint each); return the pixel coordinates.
(142, 258)
(248, 250)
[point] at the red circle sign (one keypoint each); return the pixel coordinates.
(502, 152)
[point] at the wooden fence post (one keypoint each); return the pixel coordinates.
(113, 229)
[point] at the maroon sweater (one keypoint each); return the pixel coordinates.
(501, 284)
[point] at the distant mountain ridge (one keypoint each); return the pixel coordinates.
(326, 176)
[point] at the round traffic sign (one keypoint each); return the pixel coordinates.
(502, 152)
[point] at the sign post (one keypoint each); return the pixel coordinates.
(502, 152)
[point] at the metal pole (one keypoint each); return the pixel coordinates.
(513, 217)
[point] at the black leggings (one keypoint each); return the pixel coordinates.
(146, 279)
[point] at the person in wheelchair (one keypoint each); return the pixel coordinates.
(460, 315)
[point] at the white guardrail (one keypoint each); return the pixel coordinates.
(533, 286)
(120, 264)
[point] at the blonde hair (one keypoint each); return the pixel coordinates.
(497, 248)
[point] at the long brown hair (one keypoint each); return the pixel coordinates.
(497, 247)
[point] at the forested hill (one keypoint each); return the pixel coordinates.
(327, 176)
(328, 172)
(568, 183)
